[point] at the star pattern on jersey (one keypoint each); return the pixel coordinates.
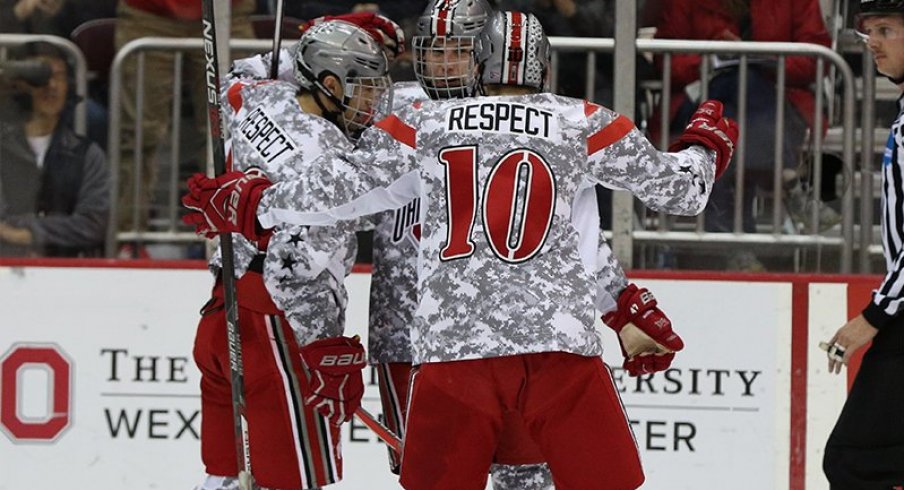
(295, 239)
(289, 262)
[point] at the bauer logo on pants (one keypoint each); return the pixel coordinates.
(343, 360)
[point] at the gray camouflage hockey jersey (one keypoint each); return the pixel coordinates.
(304, 267)
(393, 295)
(393, 286)
(248, 70)
(257, 67)
(393, 290)
(509, 249)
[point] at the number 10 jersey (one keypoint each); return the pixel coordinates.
(509, 221)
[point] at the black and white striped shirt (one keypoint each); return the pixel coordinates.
(888, 299)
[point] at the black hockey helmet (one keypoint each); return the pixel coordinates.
(881, 7)
(871, 8)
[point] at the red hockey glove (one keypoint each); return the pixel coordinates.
(644, 332)
(226, 204)
(381, 28)
(709, 128)
(336, 385)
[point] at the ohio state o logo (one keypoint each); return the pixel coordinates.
(17, 361)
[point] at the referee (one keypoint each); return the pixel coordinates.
(866, 447)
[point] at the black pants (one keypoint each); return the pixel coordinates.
(866, 448)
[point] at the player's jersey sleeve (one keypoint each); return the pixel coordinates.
(257, 67)
(620, 157)
(380, 174)
(268, 129)
(610, 277)
(304, 272)
(594, 249)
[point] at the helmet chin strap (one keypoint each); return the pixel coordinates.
(896, 80)
(479, 88)
(330, 115)
(333, 116)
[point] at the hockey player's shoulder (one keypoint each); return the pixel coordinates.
(261, 88)
(405, 95)
(274, 86)
(575, 110)
(317, 130)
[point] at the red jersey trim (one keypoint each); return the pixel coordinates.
(400, 131)
(234, 95)
(615, 131)
(590, 108)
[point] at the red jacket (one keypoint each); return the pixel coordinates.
(771, 20)
(188, 10)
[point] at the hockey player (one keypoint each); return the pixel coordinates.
(476, 302)
(444, 66)
(290, 284)
(443, 45)
(442, 48)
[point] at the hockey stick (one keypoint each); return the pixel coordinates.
(277, 39)
(242, 448)
(379, 429)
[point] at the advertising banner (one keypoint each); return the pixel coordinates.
(720, 413)
(98, 387)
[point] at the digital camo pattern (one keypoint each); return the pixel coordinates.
(304, 272)
(223, 483)
(521, 477)
(610, 277)
(393, 285)
(218, 483)
(304, 268)
(484, 303)
(248, 70)
(257, 67)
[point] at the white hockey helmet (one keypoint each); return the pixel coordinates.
(349, 53)
(513, 50)
(443, 44)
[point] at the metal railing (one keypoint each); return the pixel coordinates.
(667, 48)
(138, 48)
(590, 46)
(81, 68)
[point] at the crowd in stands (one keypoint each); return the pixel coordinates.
(54, 184)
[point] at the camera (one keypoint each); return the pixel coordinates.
(34, 73)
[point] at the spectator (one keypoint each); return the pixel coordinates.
(30, 16)
(56, 17)
(166, 18)
(398, 10)
(747, 20)
(54, 184)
